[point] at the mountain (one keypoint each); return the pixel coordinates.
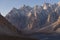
(36, 19)
(6, 27)
(10, 32)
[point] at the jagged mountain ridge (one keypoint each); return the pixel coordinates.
(35, 19)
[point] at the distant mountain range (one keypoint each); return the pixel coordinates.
(45, 18)
(31, 23)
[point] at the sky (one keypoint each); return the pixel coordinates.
(7, 5)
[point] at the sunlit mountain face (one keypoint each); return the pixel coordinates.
(41, 22)
(36, 19)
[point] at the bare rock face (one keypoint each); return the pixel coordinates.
(35, 19)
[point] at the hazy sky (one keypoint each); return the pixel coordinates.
(7, 5)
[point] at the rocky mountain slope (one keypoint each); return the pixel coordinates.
(10, 32)
(44, 18)
(6, 27)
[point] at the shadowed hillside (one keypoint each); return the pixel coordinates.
(10, 32)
